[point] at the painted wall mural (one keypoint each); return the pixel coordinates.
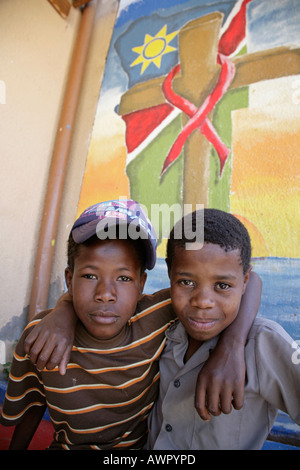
(200, 103)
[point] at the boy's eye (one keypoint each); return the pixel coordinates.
(124, 278)
(222, 286)
(90, 276)
(186, 283)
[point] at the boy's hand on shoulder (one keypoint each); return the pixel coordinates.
(50, 342)
(220, 383)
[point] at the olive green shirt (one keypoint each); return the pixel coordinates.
(272, 382)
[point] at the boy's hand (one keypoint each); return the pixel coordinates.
(50, 342)
(220, 383)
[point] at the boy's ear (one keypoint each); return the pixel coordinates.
(246, 278)
(68, 278)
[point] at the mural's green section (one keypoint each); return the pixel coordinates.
(146, 185)
(219, 187)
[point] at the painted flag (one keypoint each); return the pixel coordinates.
(149, 46)
(148, 50)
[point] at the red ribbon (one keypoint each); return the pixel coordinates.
(228, 43)
(199, 116)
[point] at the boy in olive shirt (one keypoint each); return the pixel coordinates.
(207, 285)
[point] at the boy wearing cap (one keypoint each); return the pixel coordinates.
(207, 285)
(111, 382)
(103, 400)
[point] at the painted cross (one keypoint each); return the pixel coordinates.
(193, 87)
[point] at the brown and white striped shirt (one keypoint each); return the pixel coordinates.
(104, 399)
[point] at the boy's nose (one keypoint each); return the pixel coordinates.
(202, 299)
(105, 292)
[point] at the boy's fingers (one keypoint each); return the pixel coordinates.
(30, 339)
(238, 398)
(200, 401)
(202, 411)
(47, 350)
(44, 357)
(62, 367)
(56, 354)
(226, 401)
(213, 401)
(64, 361)
(35, 346)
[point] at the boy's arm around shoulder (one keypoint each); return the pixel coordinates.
(221, 381)
(277, 359)
(50, 342)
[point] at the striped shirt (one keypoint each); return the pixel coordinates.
(104, 399)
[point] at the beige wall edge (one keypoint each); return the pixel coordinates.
(45, 251)
(101, 37)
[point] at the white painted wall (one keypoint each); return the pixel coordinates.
(36, 46)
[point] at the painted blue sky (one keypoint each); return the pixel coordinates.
(133, 10)
(272, 24)
(269, 24)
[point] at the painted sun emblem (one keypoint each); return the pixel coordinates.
(153, 49)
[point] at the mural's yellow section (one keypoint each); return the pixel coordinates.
(265, 187)
(104, 176)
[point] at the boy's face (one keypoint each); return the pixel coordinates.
(106, 285)
(206, 289)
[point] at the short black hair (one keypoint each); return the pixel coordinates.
(73, 247)
(220, 228)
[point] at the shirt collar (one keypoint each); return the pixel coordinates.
(178, 334)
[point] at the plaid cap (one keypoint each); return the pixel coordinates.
(97, 219)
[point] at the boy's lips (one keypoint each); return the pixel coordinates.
(202, 323)
(104, 318)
